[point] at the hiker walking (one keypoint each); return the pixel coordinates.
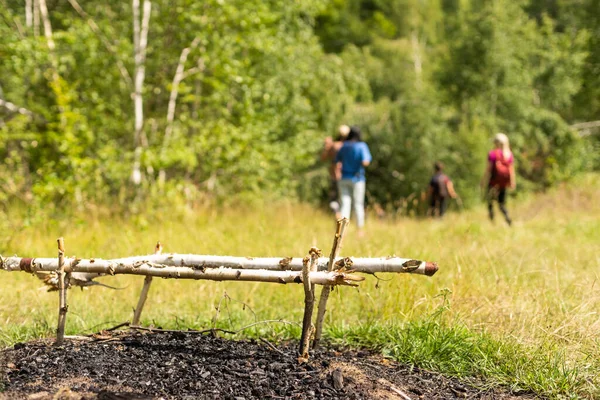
(499, 175)
(351, 160)
(328, 153)
(440, 189)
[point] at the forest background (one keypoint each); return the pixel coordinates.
(238, 96)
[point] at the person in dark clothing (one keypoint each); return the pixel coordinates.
(440, 189)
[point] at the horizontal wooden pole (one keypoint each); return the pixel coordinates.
(204, 263)
(101, 267)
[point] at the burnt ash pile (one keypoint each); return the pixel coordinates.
(134, 365)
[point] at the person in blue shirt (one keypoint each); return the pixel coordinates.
(351, 160)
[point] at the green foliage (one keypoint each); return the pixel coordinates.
(267, 80)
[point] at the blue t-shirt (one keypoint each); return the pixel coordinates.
(351, 155)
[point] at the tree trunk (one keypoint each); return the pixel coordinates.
(417, 58)
(173, 100)
(36, 18)
(140, 41)
(28, 13)
(47, 28)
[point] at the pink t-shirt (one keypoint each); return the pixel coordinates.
(499, 180)
(494, 155)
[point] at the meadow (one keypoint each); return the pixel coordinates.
(514, 306)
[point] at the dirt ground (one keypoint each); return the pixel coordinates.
(143, 365)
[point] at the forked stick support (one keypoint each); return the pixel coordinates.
(63, 283)
(144, 294)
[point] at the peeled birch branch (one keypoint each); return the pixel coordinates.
(204, 262)
(106, 267)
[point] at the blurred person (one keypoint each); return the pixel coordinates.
(499, 175)
(351, 160)
(328, 153)
(440, 189)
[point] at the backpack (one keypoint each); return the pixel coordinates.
(500, 171)
(439, 182)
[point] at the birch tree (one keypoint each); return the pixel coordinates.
(140, 42)
(179, 76)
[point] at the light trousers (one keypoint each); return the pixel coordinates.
(352, 195)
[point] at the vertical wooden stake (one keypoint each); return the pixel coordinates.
(337, 243)
(144, 294)
(62, 293)
(309, 265)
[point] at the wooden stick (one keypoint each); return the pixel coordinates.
(62, 294)
(213, 330)
(187, 272)
(394, 389)
(207, 262)
(145, 289)
(310, 265)
(337, 244)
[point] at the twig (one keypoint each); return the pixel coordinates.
(268, 321)
(79, 337)
(215, 318)
(337, 244)
(211, 330)
(92, 339)
(394, 389)
(145, 289)
(265, 341)
(114, 328)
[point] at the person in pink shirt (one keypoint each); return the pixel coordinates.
(499, 175)
(328, 153)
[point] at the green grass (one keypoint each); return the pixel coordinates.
(517, 306)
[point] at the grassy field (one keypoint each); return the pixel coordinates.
(516, 306)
